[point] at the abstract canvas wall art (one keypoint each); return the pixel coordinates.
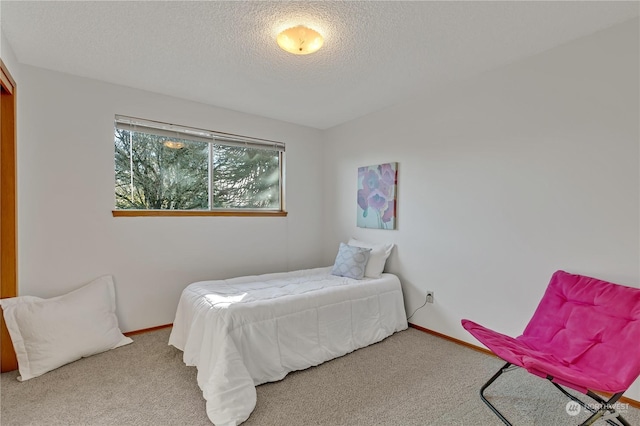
(377, 196)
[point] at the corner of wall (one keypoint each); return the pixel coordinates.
(9, 57)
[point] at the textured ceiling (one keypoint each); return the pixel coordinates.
(224, 53)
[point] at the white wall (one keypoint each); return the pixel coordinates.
(503, 180)
(9, 57)
(67, 235)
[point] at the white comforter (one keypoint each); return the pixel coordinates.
(246, 331)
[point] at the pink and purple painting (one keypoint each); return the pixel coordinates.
(377, 196)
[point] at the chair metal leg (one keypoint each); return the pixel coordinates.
(596, 414)
(605, 411)
(486, 385)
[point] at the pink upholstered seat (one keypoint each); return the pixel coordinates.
(585, 334)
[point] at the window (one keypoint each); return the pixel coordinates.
(161, 167)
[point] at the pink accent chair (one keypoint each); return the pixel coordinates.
(584, 335)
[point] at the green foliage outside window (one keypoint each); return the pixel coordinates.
(245, 178)
(159, 173)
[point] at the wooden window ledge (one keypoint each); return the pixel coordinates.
(238, 213)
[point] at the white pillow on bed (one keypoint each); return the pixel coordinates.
(377, 258)
(49, 333)
(351, 261)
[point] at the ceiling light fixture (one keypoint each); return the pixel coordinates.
(300, 40)
(173, 144)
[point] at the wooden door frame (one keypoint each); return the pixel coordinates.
(8, 208)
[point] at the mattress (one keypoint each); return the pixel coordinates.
(246, 331)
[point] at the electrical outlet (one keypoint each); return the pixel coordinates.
(429, 297)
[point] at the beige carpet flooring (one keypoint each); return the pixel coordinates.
(410, 378)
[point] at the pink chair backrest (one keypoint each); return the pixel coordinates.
(589, 323)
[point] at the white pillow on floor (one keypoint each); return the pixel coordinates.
(49, 333)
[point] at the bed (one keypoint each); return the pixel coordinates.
(246, 331)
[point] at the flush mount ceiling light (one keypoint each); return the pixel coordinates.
(173, 144)
(300, 40)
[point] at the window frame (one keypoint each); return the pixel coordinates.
(212, 137)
